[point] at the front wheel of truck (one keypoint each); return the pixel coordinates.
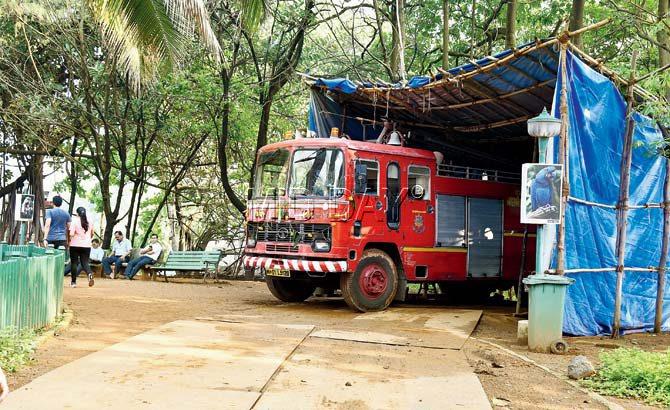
(290, 290)
(373, 285)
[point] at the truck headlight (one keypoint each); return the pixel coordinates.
(251, 242)
(321, 246)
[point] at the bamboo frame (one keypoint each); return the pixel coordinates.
(591, 203)
(613, 75)
(596, 270)
(622, 211)
(660, 288)
(563, 155)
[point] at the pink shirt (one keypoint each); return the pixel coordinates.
(78, 236)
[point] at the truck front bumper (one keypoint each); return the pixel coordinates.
(295, 264)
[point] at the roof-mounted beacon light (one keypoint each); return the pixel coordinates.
(544, 125)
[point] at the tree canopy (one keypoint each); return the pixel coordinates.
(162, 105)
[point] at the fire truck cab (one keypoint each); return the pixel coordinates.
(370, 218)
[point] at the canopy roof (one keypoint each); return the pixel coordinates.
(468, 110)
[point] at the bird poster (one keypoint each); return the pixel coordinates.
(541, 193)
(25, 207)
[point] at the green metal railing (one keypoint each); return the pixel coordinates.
(31, 286)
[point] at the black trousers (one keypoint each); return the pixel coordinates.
(79, 256)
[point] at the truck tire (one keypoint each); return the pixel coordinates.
(373, 285)
(290, 290)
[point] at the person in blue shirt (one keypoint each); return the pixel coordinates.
(57, 225)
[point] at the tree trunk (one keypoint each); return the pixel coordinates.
(445, 34)
(577, 20)
(261, 138)
(138, 208)
(398, 46)
(74, 177)
(223, 144)
(663, 38)
(510, 35)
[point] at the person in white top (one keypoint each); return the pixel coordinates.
(148, 256)
(121, 248)
(97, 253)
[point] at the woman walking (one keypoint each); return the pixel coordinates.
(81, 234)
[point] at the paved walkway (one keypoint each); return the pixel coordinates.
(403, 358)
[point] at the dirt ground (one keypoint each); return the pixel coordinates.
(524, 384)
(113, 311)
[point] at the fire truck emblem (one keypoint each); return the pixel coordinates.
(282, 234)
(418, 224)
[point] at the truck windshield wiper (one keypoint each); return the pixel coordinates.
(311, 157)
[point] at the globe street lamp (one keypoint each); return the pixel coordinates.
(544, 126)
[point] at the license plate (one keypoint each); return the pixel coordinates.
(284, 273)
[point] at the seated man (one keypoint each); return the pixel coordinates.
(148, 256)
(96, 256)
(121, 248)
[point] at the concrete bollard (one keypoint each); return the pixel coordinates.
(522, 333)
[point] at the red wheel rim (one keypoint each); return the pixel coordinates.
(373, 281)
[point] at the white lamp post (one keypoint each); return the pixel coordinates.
(542, 127)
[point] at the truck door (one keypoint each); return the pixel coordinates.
(418, 210)
(369, 213)
(485, 237)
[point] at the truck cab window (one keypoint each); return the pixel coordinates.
(393, 195)
(271, 173)
(418, 177)
(317, 173)
(372, 176)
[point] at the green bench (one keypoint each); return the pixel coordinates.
(190, 261)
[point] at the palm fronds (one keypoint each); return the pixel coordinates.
(142, 34)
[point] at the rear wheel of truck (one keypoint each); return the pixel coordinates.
(373, 285)
(290, 290)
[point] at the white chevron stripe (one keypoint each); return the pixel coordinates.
(294, 263)
(317, 266)
(268, 262)
(343, 266)
(330, 266)
(305, 266)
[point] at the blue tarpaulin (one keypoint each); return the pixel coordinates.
(597, 125)
(466, 111)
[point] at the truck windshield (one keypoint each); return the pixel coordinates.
(271, 173)
(317, 173)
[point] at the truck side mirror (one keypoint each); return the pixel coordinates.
(361, 179)
(417, 192)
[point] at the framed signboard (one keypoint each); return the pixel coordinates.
(541, 193)
(25, 207)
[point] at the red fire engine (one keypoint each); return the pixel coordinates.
(370, 218)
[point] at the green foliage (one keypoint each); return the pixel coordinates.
(634, 373)
(16, 348)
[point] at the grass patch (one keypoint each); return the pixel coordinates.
(634, 373)
(16, 348)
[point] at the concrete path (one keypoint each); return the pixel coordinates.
(399, 359)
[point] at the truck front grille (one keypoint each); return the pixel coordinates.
(288, 232)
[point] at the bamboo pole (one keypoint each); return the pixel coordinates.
(519, 288)
(660, 290)
(562, 158)
(622, 209)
